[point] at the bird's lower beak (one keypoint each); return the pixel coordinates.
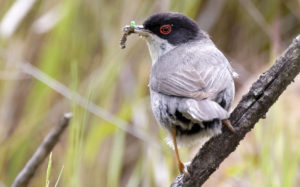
(138, 29)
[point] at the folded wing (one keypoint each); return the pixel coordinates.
(194, 73)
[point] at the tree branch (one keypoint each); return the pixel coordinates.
(41, 153)
(253, 106)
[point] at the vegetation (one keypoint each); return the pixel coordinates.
(113, 139)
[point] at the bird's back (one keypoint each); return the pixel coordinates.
(192, 89)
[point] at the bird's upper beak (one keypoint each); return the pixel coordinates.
(138, 29)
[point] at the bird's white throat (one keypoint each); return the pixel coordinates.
(158, 47)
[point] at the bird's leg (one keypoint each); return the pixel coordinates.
(180, 164)
(227, 123)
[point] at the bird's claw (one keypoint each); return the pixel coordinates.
(184, 169)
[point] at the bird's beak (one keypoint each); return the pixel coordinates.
(137, 29)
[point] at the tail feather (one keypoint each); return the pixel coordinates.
(203, 110)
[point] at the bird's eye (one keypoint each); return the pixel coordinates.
(165, 29)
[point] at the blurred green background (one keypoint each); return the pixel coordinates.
(64, 56)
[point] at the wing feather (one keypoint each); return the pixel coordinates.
(192, 72)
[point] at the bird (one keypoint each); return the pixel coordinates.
(191, 81)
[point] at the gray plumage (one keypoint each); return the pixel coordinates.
(188, 85)
(191, 82)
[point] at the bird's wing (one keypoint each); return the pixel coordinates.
(194, 73)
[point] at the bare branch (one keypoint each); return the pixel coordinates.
(253, 106)
(41, 153)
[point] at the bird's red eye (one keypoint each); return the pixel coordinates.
(165, 29)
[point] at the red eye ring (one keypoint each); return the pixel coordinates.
(165, 29)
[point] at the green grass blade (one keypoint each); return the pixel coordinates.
(49, 170)
(57, 181)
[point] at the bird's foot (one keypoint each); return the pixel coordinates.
(227, 123)
(185, 169)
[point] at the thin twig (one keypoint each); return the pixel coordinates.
(253, 106)
(31, 70)
(62, 89)
(41, 153)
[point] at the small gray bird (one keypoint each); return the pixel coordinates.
(191, 82)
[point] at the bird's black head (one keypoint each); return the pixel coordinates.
(174, 27)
